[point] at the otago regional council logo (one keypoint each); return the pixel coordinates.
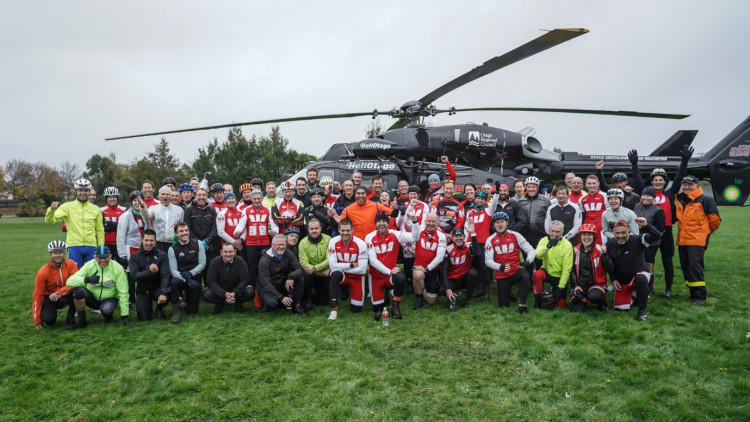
(731, 193)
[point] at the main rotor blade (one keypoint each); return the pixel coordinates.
(257, 122)
(550, 39)
(581, 111)
(400, 123)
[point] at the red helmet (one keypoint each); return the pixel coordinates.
(288, 185)
(587, 228)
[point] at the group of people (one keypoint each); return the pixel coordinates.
(320, 242)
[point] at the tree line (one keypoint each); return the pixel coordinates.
(235, 160)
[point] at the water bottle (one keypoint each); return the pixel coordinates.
(385, 316)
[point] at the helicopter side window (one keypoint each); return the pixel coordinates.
(326, 173)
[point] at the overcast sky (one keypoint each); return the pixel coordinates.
(76, 72)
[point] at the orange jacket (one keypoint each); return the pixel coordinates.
(50, 280)
(363, 216)
(697, 217)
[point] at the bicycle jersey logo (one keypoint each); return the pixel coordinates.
(383, 247)
(430, 246)
(345, 257)
(593, 207)
(458, 261)
(505, 248)
(660, 199)
(256, 218)
(232, 222)
(478, 218)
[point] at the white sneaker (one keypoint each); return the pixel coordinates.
(333, 315)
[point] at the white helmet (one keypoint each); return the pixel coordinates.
(82, 184)
(615, 192)
(326, 181)
(56, 245)
(111, 191)
(532, 180)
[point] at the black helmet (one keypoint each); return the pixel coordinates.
(256, 181)
(217, 187)
(135, 194)
(620, 177)
(169, 180)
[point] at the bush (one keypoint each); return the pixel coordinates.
(31, 208)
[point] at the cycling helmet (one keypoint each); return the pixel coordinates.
(136, 194)
(111, 191)
(326, 181)
(82, 184)
(659, 172)
(499, 215)
(217, 187)
(587, 228)
(256, 181)
(532, 180)
(287, 185)
(620, 177)
(547, 298)
(616, 193)
(246, 186)
(169, 180)
(482, 194)
(186, 186)
(56, 245)
(316, 191)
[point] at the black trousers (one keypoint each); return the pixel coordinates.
(691, 261)
(521, 278)
(298, 291)
(145, 295)
(317, 289)
(247, 294)
(252, 257)
(106, 306)
(50, 308)
(468, 281)
(192, 291)
(667, 253)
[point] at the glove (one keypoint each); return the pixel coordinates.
(110, 226)
(123, 261)
(524, 264)
(502, 267)
(92, 279)
(208, 176)
(686, 152)
(125, 321)
(205, 245)
(187, 275)
(497, 186)
(553, 242)
(633, 156)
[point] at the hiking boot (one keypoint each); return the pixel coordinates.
(396, 310)
(80, 324)
(176, 314)
(699, 302)
(219, 308)
(642, 314)
(523, 309)
(333, 315)
(418, 303)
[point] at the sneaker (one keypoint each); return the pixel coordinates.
(699, 302)
(523, 309)
(333, 315)
(642, 314)
(418, 303)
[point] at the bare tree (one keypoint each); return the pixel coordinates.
(69, 173)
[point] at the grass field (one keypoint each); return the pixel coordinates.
(684, 363)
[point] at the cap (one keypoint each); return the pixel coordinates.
(649, 190)
(360, 187)
(414, 189)
(102, 252)
(228, 195)
(504, 186)
(458, 231)
(292, 231)
(433, 176)
(690, 179)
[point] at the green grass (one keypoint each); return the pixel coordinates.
(684, 363)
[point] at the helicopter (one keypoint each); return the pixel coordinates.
(480, 153)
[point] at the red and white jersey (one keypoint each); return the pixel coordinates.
(593, 206)
(139, 221)
(330, 200)
(241, 205)
(450, 214)
(382, 251)
(482, 221)
(287, 213)
(461, 259)
(575, 197)
(218, 206)
(341, 256)
(150, 202)
(255, 224)
(112, 214)
(430, 249)
(662, 200)
(505, 249)
(226, 223)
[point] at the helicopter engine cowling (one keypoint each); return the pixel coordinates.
(377, 147)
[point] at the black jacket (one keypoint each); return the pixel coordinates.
(202, 223)
(321, 213)
(145, 279)
(273, 273)
(225, 277)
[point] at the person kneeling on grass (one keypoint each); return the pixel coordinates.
(502, 253)
(347, 259)
(630, 273)
(589, 278)
(100, 284)
(457, 264)
(557, 263)
(228, 281)
(149, 272)
(280, 278)
(50, 290)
